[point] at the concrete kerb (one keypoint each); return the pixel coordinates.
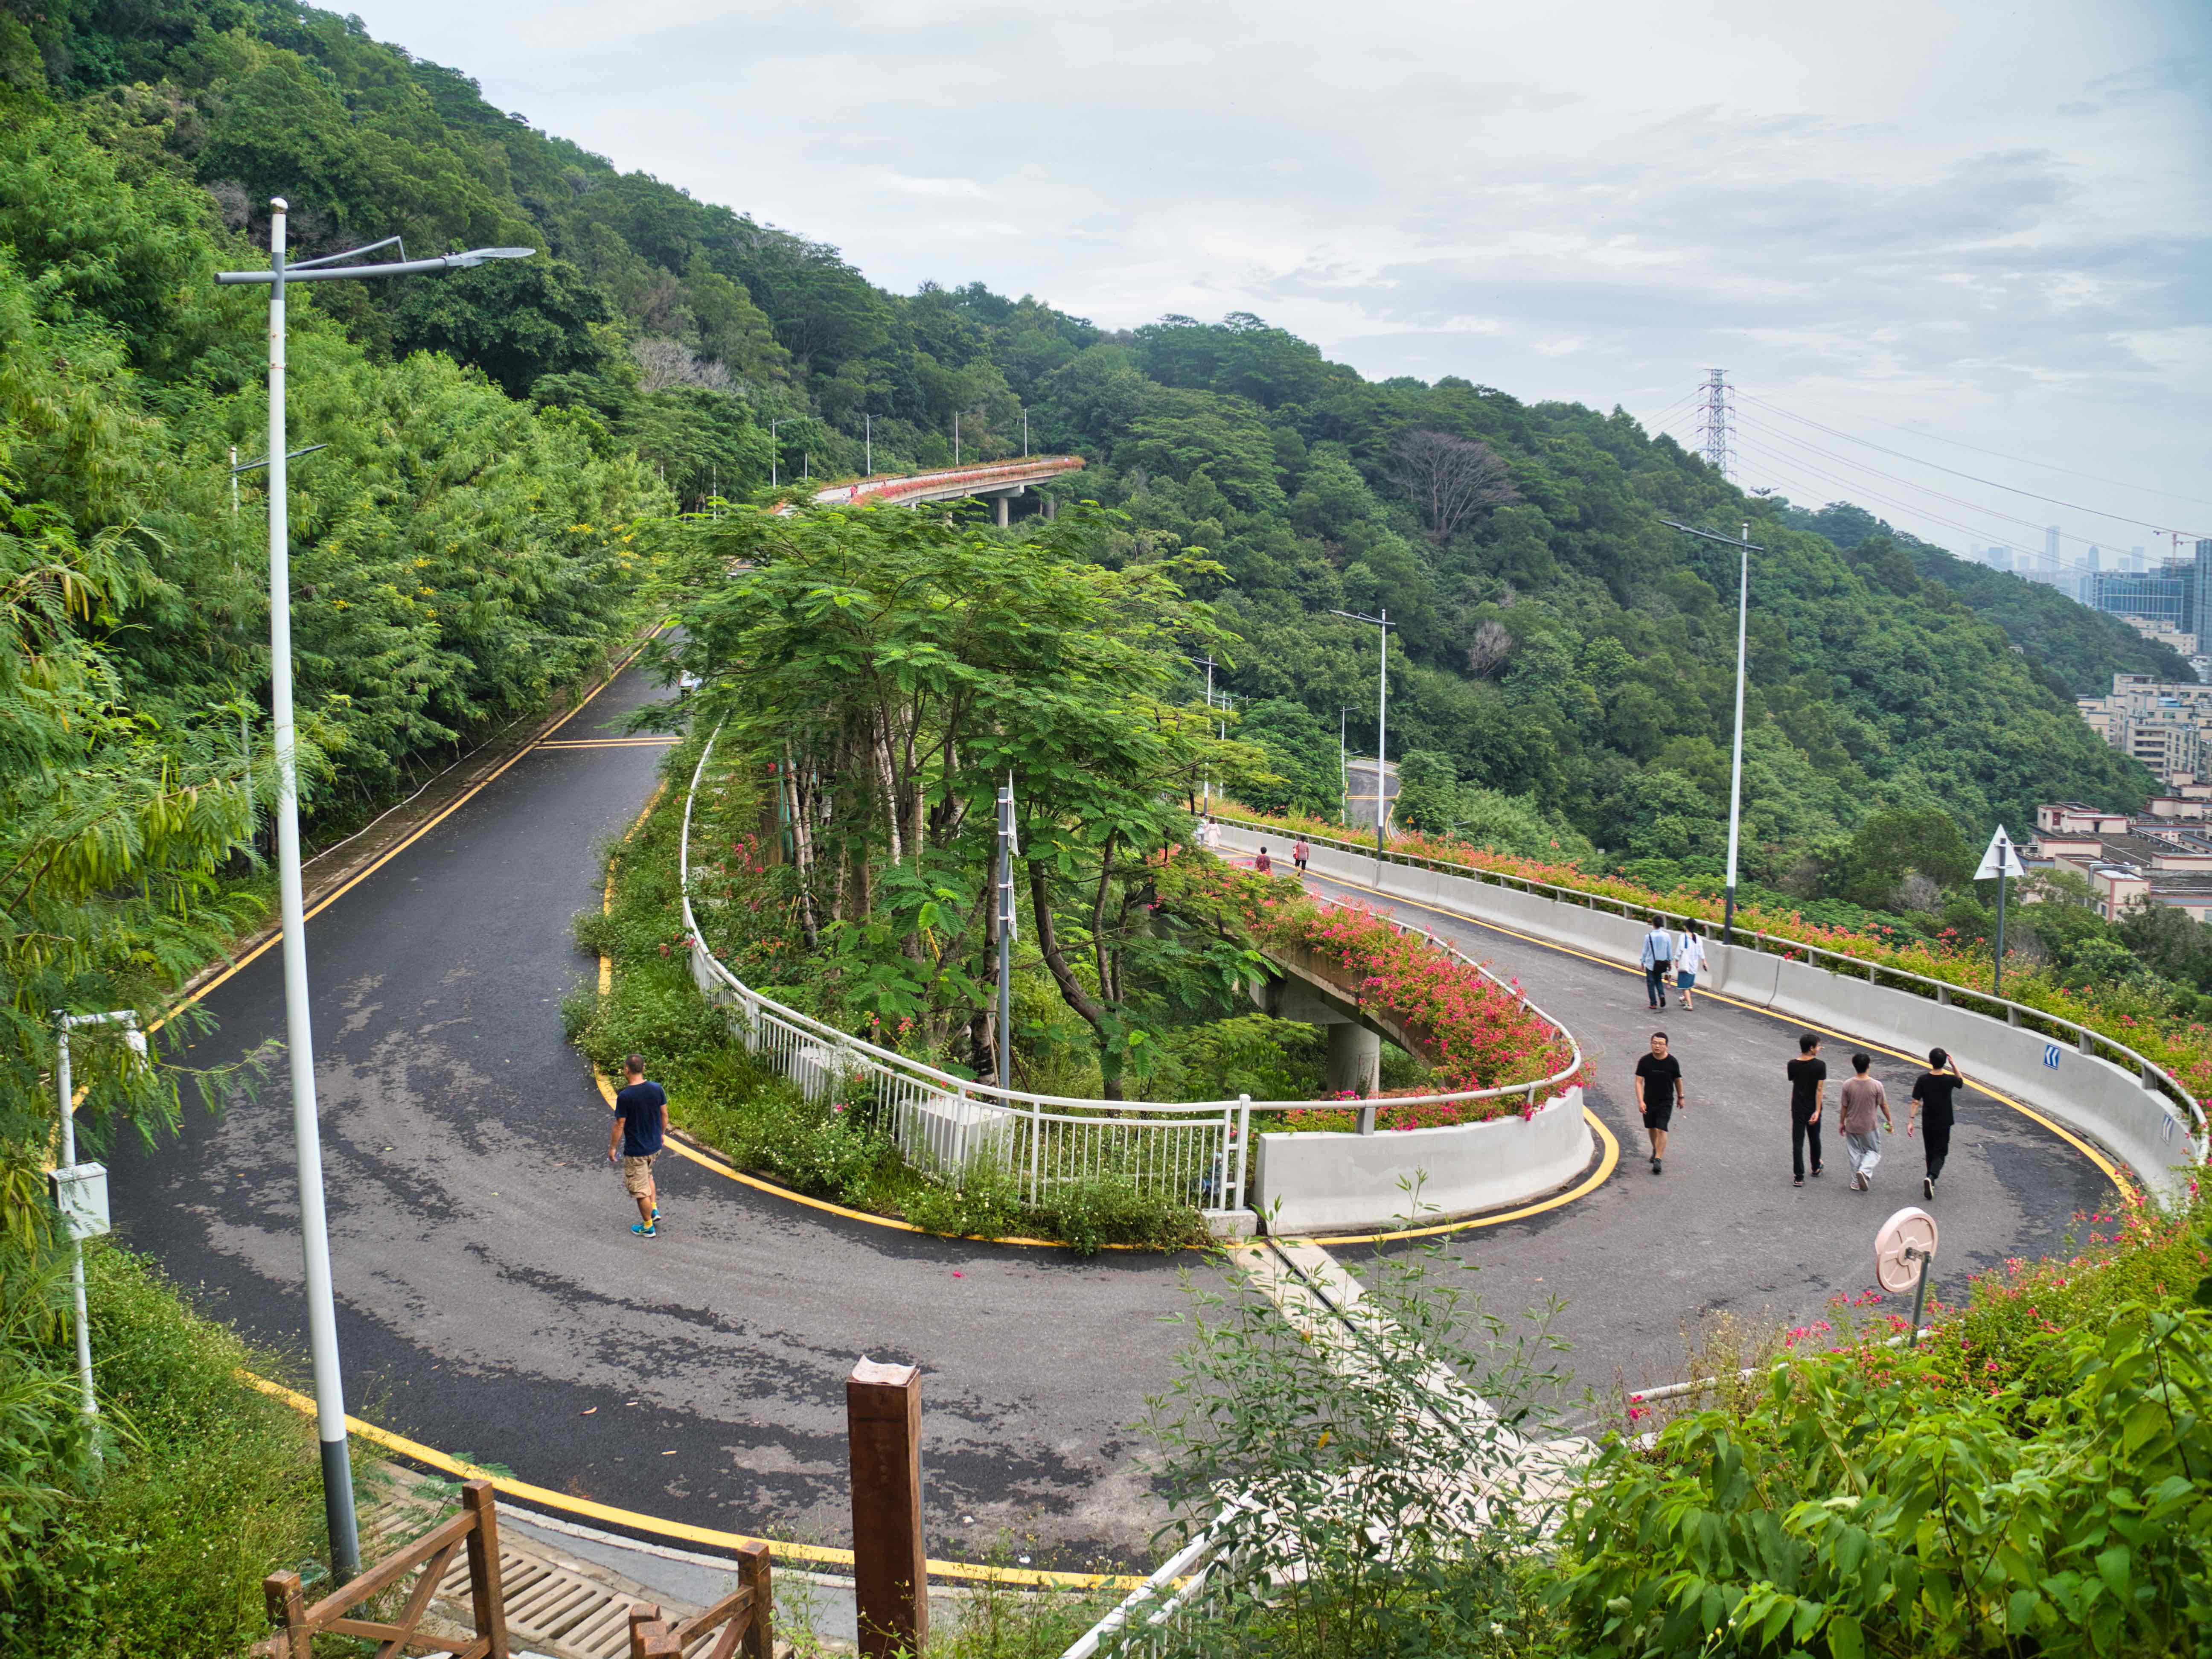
(2091, 1096)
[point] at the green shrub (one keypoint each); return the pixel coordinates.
(1879, 1509)
(1387, 1517)
(1088, 1215)
(985, 1205)
(209, 1486)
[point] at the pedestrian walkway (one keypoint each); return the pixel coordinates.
(1723, 1232)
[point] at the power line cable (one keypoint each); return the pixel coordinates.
(1807, 469)
(2046, 466)
(1780, 436)
(2076, 507)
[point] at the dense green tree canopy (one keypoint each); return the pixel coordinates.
(1555, 641)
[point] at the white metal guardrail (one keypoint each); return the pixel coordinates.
(1943, 993)
(1157, 1615)
(1192, 1152)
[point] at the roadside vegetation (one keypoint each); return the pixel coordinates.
(2030, 1479)
(734, 1105)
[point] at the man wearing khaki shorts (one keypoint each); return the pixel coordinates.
(640, 1115)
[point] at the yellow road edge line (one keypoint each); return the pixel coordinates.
(1608, 1160)
(332, 897)
(2110, 1172)
(821, 1554)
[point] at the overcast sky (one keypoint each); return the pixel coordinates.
(1922, 223)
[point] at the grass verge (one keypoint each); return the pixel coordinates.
(206, 1486)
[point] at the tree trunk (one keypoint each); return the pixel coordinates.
(1071, 988)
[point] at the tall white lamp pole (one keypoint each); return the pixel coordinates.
(1382, 719)
(315, 1235)
(1744, 550)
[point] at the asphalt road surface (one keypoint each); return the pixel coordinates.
(1723, 1230)
(491, 1299)
(493, 1303)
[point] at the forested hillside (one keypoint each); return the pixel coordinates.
(2075, 649)
(1556, 641)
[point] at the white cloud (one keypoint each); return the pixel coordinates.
(1990, 221)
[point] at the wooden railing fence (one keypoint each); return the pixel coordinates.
(745, 1618)
(476, 1529)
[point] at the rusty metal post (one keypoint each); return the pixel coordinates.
(890, 1574)
(488, 1599)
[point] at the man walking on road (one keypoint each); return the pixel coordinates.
(1658, 956)
(1658, 1092)
(1300, 853)
(1931, 1104)
(640, 1116)
(1808, 1089)
(1863, 1098)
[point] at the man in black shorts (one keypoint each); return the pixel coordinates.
(1931, 1105)
(1658, 1092)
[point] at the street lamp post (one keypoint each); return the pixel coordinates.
(1744, 550)
(65, 1082)
(322, 1314)
(1381, 717)
(1006, 896)
(1206, 662)
(1343, 769)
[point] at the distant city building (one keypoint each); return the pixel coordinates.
(2134, 558)
(2165, 724)
(2160, 856)
(2050, 547)
(2177, 596)
(1999, 557)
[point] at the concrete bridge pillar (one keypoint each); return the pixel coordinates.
(1002, 512)
(1355, 1059)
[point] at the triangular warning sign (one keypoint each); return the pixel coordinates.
(2002, 859)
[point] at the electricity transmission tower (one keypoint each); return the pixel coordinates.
(1713, 425)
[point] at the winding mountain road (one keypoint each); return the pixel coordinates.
(492, 1302)
(491, 1299)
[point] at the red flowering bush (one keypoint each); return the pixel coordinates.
(1474, 1032)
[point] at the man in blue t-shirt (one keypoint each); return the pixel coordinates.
(640, 1115)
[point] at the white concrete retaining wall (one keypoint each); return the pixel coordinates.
(1306, 1182)
(2094, 1097)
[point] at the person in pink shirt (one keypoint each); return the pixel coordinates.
(1299, 854)
(1263, 864)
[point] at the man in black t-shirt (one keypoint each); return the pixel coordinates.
(1808, 1088)
(640, 1116)
(1658, 1092)
(1932, 1106)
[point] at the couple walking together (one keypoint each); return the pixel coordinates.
(1863, 1108)
(1680, 956)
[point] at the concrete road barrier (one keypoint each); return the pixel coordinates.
(1322, 1182)
(2140, 1127)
